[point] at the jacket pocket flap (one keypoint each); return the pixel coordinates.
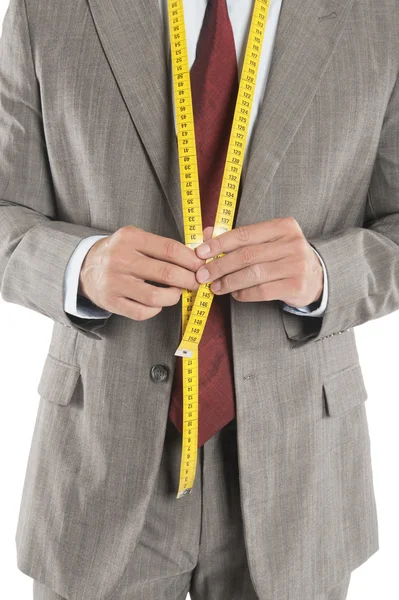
(344, 390)
(58, 380)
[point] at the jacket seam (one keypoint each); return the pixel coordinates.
(30, 38)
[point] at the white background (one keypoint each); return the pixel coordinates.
(25, 337)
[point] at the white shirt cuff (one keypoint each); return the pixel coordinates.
(306, 311)
(74, 304)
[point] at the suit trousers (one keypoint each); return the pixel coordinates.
(192, 545)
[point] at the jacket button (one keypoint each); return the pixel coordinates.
(159, 373)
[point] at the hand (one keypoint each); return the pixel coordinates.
(270, 260)
(116, 270)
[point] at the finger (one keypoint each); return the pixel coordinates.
(253, 275)
(133, 310)
(247, 235)
(241, 258)
(272, 290)
(207, 233)
(159, 271)
(165, 249)
(147, 294)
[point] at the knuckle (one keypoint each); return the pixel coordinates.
(291, 224)
(172, 249)
(193, 283)
(153, 296)
(226, 283)
(265, 292)
(114, 304)
(298, 287)
(215, 268)
(247, 255)
(123, 232)
(110, 303)
(175, 297)
(256, 273)
(140, 313)
(131, 233)
(168, 273)
(243, 233)
(300, 246)
(301, 267)
(106, 300)
(119, 235)
(217, 245)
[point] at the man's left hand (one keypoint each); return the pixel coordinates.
(271, 260)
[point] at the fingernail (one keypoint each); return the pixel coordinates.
(216, 286)
(203, 250)
(203, 275)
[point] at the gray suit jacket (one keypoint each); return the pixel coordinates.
(87, 146)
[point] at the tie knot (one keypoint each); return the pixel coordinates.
(216, 5)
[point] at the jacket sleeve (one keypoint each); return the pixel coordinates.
(362, 263)
(35, 247)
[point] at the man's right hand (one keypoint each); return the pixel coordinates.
(115, 270)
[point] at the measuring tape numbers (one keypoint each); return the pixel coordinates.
(196, 305)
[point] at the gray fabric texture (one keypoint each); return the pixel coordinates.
(87, 146)
(194, 547)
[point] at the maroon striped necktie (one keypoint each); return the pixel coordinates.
(214, 84)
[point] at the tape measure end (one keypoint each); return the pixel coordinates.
(184, 353)
(183, 493)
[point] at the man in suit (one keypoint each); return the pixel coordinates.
(282, 507)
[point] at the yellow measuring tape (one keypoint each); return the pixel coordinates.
(196, 305)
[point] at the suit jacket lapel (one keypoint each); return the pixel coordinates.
(132, 36)
(307, 34)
